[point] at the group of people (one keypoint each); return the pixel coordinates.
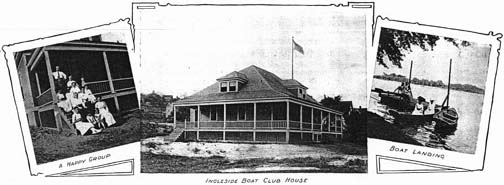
(403, 88)
(422, 107)
(89, 113)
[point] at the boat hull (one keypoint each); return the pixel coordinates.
(406, 118)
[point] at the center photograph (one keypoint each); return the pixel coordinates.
(253, 89)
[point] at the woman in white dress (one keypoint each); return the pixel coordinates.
(102, 110)
(82, 127)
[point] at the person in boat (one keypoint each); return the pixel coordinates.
(400, 89)
(103, 111)
(419, 106)
(430, 108)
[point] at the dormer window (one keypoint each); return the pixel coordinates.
(223, 86)
(301, 93)
(233, 86)
(229, 86)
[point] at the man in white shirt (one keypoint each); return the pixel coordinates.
(59, 78)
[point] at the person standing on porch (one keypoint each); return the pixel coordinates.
(83, 82)
(102, 110)
(59, 78)
(70, 82)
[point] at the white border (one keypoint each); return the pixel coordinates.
(453, 159)
(117, 153)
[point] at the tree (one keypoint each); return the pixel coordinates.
(395, 43)
(331, 102)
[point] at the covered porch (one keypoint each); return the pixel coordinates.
(254, 121)
(105, 68)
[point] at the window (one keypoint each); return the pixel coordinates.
(223, 86)
(233, 86)
(230, 86)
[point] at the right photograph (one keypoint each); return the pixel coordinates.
(428, 90)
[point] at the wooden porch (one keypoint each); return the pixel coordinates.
(277, 121)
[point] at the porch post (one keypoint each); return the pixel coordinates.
(312, 135)
(224, 132)
(53, 91)
(255, 119)
(111, 84)
(288, 123)
(301, 118)
(199, 117)
(320, 129)
(175, 115)
(329, 123)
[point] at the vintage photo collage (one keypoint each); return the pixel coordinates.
(254, 88)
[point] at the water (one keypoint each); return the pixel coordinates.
(468, 105)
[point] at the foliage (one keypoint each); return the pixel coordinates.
(461, 87)
(395, 43)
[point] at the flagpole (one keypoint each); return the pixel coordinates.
(292, 62)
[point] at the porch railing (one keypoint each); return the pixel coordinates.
(239, 124)
(306, 126)
(211, 124)
(294, 125)
(271, 124)
(99, 87)
(260, 124)
(43, 98)
(123, 83)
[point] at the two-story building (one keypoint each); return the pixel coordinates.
(254, 105)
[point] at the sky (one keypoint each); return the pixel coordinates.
(185, 55)
(114, 37)
(469, 64)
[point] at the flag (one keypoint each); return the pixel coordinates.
(298, 47)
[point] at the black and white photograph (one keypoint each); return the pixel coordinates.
(431, 89)
(79, 96)
(265, 89)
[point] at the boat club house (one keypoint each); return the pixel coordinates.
(104, 67)
(254, 105)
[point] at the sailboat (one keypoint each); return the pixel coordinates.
(401, 99)
(444, 116)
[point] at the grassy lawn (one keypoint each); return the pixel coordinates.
(50, 146)
(152, 163)
(257, 156)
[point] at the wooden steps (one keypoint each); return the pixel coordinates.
(174, 135)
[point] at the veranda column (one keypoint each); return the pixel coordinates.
(288, 123)
(301, 120)
(255, 119)
(175, 115)
(53, 91)
(312, 135)
(224, 131)
(111, 84)
(198, 122)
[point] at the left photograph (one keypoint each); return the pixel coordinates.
(79, 96)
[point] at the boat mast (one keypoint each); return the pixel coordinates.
(410, 69)
(449, 78)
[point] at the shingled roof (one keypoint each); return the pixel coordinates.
(261, 84)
